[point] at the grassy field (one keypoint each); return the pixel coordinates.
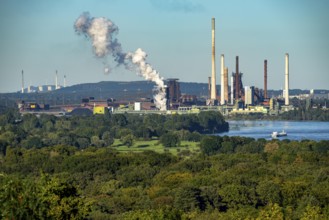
(185, 149)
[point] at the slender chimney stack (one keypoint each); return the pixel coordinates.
(226, 85)
(209, 86)
(265, 79)
(237, 89)
(286, 79)
(64, 84)
(222, 87)
(232, 90)
(213, 67)
(22, 81)
(56, 81)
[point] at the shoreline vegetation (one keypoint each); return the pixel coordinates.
(317, 114)
(155, 167)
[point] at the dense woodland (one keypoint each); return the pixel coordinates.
(70, 168)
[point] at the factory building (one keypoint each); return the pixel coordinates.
(249, 93)
(174, 92)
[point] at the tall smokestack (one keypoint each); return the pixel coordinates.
(226, 85)
(64, 84)
(237, 89)
(232, 90)
(209, 86)
(265, 79)
(213, 67)
(22, 82)
(222, 88)
(56, 80)
(287, 79)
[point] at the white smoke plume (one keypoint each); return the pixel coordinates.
(139, 58)
(101, 31)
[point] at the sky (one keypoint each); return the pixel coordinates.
(37, 36)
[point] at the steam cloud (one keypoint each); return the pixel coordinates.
(101, 31)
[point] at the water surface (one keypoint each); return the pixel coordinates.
(296, 130)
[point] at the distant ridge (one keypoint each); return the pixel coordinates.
(119, 90)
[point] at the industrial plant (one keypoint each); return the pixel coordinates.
(234, 97)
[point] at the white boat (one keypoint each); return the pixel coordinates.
(276, 134)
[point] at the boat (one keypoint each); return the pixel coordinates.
(276, 134)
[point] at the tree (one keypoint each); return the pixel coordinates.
(312, 212)
(210, 144)
(31, 142)
(83, 143)
(170, 139)
(95, 141)
(128, 140)
(227, 147)
(269, 192)
(46, 198)
(30, 122)
(271, 211)
(108, 139)
(189, 198)
(3, 147)
(212, 121)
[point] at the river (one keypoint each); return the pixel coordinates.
(296, 130)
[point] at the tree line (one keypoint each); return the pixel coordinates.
(30, 131)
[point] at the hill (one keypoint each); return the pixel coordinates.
(114, 89)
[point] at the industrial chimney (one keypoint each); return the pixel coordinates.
(56, 81)
(265, 79)
(213, 68)
(64, 84)
(22, 81)
(209, 86)
(226, 85)
(237, 89)
(222, 87)
(232, 90)
(286, 79)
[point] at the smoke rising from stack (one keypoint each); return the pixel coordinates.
(101, 31)
(138, 58)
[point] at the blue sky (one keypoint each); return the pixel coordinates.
(37, 36)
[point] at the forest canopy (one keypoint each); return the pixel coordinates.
(72, 168)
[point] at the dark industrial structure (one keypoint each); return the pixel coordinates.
(174, 90)
(237, 79)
